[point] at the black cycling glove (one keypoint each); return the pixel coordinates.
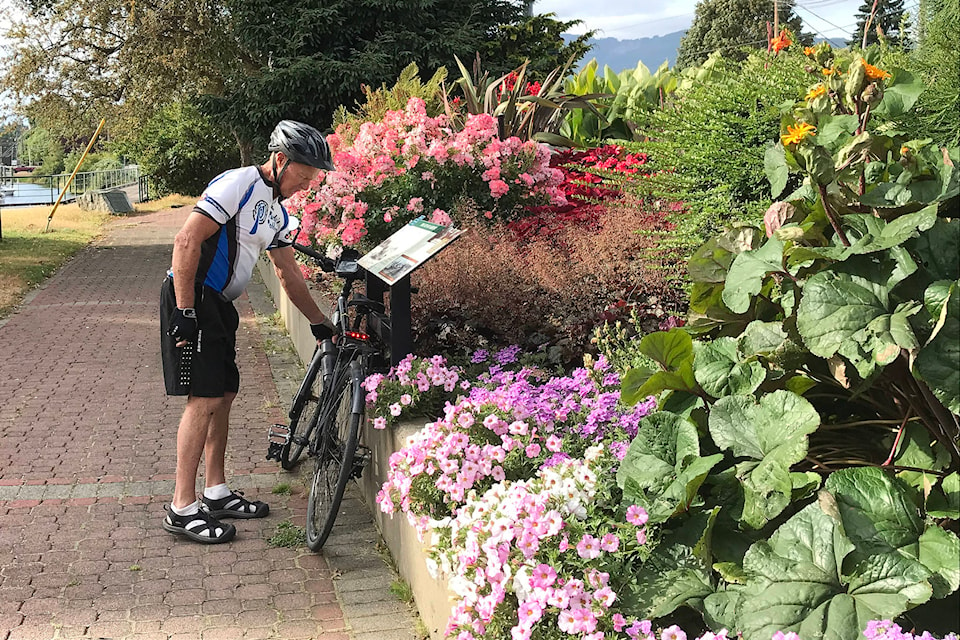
(321, 331)
(183, 325)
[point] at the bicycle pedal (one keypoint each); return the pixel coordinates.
(273, 451)
(278, 436)
(361, 458)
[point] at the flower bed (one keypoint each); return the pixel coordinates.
(410, 164)
(515, 491)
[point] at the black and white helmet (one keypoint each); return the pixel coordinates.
(301, 143)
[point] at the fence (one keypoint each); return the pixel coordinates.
(32, 190)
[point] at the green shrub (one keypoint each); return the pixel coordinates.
(182, 149)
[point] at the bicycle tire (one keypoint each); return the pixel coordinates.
(339, 434)
(303, 414)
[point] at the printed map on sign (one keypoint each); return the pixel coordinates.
(407, 249)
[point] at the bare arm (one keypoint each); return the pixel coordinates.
(186, 256)
(291, 279)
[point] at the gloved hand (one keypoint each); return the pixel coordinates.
(183, 325)
(322, 330)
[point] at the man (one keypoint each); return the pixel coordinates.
(237, 217)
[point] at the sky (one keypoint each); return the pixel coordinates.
(628, 19)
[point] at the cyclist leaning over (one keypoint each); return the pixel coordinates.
(238, 216)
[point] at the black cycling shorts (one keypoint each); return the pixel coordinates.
(208, 367)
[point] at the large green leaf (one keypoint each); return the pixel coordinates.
(937, 362)
(662, 470)
(938, 250)
(945, 500)
(763, 338)
(746, 275)
(710, 262)
(678, 570)
(877, 512)
(900, 96)
(775, 166)
(796, 585)
(940, 553)
(833, 128)
(772, 431)
(721, 370)
(848, 310)
(673, 351)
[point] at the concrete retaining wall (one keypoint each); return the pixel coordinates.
(431, 595)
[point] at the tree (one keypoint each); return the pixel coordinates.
(936, 58)
(538, 39)
(888, 18)
(252, 62)
(312, 57)
(733, 27)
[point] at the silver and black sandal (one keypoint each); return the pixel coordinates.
(199, 526)
(234, 506)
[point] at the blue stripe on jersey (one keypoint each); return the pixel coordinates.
(286, 218)
(219, 271)
(246, 196)
(220, 176)
(217, 205)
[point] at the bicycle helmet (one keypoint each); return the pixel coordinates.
(301, 143)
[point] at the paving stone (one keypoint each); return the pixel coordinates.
(86, 468)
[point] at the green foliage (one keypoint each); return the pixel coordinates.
(707, 146)
(620, 97)
(537, 39)
(299, 49)
(733, 27)
(935, 59)
(45, 151)
(182, 149)
(287, 535)
(831, 343)
(379, 101)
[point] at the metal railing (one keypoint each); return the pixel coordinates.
(24, 190)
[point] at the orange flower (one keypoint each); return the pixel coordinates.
(875, 73)
(904, 149)
(781, 42)
(829, 72)
(797, 133)
(808, 51)
(816, 92)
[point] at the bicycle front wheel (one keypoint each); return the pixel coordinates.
(303, 414)
(339, 433)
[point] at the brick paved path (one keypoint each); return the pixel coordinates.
(87, 453)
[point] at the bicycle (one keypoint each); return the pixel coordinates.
(328, 408)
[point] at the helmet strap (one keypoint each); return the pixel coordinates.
(277, 176)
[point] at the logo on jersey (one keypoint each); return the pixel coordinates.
(259, 215)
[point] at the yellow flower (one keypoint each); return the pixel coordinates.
(797, 133)
(816, 92)
(875, 73)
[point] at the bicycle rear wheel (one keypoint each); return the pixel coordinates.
(303, 414)
(339, 433)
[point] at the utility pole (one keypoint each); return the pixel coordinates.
(776, 17)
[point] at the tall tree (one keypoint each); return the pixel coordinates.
(252, 62)
(888, 18)
(314, 56)
(733, 25)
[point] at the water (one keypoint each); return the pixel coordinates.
(23, 194)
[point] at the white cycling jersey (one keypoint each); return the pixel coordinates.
(241, 201)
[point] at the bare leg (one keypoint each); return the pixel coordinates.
(215, 448)
(197, 421)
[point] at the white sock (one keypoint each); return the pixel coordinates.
(188, 510)
(217, 492)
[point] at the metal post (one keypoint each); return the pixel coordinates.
(401, 337)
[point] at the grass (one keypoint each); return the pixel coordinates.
(288, 535)
(28, 255)
(282, 489)
(402, 591)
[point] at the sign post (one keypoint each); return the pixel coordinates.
(389, 266)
